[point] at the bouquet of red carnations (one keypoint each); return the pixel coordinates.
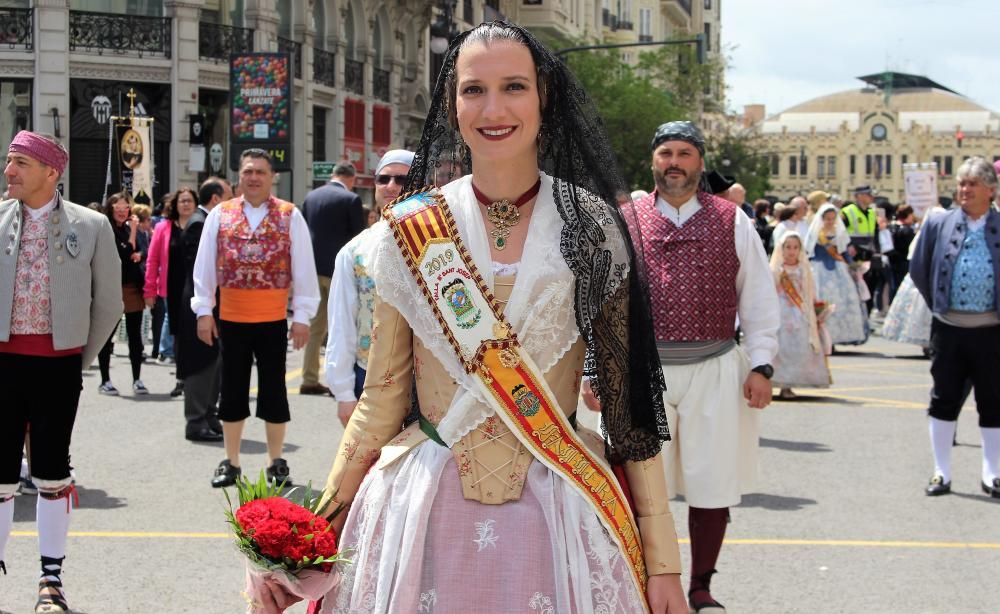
(284, 542)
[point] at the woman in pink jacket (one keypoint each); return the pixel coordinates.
(165, 265)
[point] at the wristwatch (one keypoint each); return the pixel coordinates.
(766, 370)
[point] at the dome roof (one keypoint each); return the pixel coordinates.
(915, 99)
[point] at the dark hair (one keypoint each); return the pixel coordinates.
(344, 169)
(761, 206)
(258, 154)
(174, 214)
(110, 202)
(903, 212)
(612, 312)
(786, 213)
(210, 188)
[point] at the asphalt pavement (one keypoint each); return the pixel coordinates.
(840, 522)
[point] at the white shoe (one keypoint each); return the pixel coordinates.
(108, 389)
(139, 388)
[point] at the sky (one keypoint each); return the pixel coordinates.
(784, 52)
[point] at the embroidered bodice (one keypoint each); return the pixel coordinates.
(32, 310)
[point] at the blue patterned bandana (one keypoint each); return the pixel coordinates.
(679, 131)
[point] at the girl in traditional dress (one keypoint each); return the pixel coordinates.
(462, 511)
(801, 360)
(826, 246)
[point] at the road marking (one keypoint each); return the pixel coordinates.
(133, 534)
(288, 377)
(864, 388)
(850, 543)
(878, 401)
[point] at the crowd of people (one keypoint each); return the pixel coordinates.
(673, 313)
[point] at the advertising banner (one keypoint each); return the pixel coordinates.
(261, 106)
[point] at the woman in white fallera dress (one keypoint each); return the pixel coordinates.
(801, 360)
(909, 318)
(458, 514)
(826, 247)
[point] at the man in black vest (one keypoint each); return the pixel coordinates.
(334, 215)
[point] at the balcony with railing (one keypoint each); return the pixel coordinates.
(16, 29)
(354, 76)
(380, 84)
(294, 49)
(324, 67)
(217, 42)
(625, 25)
(91, 32)
(678, 11)
(645, 38)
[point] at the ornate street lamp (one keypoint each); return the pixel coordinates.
(443, 29)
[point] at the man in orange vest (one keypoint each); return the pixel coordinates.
(257, 251)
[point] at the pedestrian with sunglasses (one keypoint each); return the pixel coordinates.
(352, 296)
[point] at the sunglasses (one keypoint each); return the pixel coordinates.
(385, 179)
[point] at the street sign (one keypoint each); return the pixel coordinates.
(323, 171)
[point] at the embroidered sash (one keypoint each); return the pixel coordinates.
(492, 356)
(788, 287)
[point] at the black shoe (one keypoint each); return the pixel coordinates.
(225, 475)
(178, 390)
(938, 486)
(318, 389)
(278, 472)
(994, 490)
(205, 434)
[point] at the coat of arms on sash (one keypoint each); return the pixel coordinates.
(527, 403)
(457, 295)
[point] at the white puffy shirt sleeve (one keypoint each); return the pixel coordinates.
(205, 281)
(341, 313)
(305, 283)
(758, 298)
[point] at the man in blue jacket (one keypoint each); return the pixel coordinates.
(956, 267)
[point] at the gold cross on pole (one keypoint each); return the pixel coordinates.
(131, 102)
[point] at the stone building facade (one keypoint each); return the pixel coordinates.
(865, 136)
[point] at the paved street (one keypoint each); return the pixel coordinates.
(840, 522)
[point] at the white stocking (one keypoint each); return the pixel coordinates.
(942, 438)
(6, 524)
(53, 526)
(991, 454)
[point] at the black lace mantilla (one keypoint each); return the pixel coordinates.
(612, 306)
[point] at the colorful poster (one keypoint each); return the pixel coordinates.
(261, 98)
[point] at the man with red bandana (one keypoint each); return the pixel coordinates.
(60, 298)
(706, 266)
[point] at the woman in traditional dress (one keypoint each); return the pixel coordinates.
(464, 509)
(826, 246)
(801, 360)
(909, 318)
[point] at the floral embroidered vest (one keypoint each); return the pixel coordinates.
(692, 270)
(972, 287)
(366, 304)
(254, 268)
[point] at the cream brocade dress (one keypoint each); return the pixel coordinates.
(480, 525)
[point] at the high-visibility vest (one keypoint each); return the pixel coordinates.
(860, 223)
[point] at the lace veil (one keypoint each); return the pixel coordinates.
(611, 303)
